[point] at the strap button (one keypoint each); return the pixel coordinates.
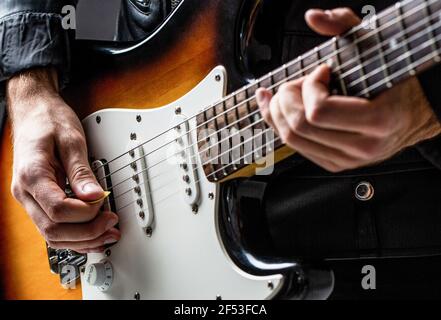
(364, 191)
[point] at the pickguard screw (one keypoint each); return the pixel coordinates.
(149, 232)
(270, 285)
(218, 297)
(186, 178)
(133, 136)
(142, 215)
(178, 110)
(108, 253)
(132, 153)
(188, 191)
(211, 196)
(137, 296)
(138, 118)
(98, 119)
(218, 77)
(195, 208)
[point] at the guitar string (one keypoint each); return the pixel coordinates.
(285, 66)
(416, 63)
(405, 55)
(192, 158)
(231, 125)
(157, 188)
(236, 106)
(177, 191)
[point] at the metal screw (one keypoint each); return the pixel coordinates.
(178, 110)
(186, 178)
(211, 196)
(98, 119)
(132, 153)
(133, 136)
(149, 232)
(133, 166)
(270, 285)
(136, 178)
(184, 166)
(142, 215)
(137, 190)
(108, 253)
(195, 208)
(218, 77)
(82, 269)
(137, 296)
(218, 297)
(139, 202)
(188, 191)
(138, 118)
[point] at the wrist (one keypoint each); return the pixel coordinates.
(30, 89)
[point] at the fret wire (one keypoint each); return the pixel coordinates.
(341, 80)
(382, 57)
(432, 35)
(409, 13)
(360, 63)
(215, 178)
(375, 71)
(403, 27)
(244, 88)
(416, 63)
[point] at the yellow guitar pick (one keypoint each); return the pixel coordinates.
(106, 194)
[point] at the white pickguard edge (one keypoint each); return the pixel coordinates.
(184, 259)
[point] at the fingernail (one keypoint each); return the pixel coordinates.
(111, 224)
(91, 188)
(110, 241)
(261, 97)
(328, 13)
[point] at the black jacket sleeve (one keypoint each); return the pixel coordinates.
(31, 35)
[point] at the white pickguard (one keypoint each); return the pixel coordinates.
(184, 258)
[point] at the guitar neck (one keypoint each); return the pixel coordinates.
(400, 42)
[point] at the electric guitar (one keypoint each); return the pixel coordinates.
(168, 120)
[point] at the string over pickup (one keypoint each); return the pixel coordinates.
(141, 188)
(186, 159)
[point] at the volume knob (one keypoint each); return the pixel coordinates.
(100, 275)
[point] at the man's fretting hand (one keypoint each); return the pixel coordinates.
(49, 146)
(340, 133)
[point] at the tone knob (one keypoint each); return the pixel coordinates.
(100, 275)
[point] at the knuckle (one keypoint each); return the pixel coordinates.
(56, 211)
(50, 231)
(287, 136)
(16, 191)
(28, 173)
(369, 150)
(285, 88)
(314, 115)
(297, 123)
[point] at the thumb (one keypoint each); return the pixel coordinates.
(80, 175)
(331, 22)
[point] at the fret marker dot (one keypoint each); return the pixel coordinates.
(394, 43)
(330, 63)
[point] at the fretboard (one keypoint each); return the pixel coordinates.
(400, 42)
